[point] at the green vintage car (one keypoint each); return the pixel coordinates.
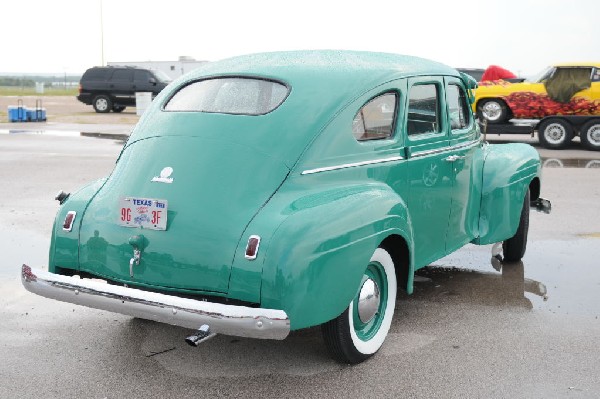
(274, 192)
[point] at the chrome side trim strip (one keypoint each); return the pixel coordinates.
(352, 165)
(391, 159)
(240, 321)
(444, 149)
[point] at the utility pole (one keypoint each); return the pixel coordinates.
(102, 32)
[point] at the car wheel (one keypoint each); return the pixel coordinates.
(590, 135)
(514, 248)
(555, 133)
(493, 110)
(118, 108)
(360, 330)
(102, 104)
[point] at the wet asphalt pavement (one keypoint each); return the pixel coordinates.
(475, 328)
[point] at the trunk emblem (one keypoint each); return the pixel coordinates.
(165, 176)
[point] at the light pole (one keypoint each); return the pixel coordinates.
(102, 33)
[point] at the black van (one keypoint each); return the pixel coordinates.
(113, 88)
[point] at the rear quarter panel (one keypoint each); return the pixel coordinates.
(315, 259)
(64, 245)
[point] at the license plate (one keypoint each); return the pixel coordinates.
(146, 213)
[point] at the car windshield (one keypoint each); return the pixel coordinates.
(241, 96)
(541, 76)
(163, 77)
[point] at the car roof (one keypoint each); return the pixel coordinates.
(347, 67)
(322, 84)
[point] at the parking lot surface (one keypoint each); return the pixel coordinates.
(474, 327)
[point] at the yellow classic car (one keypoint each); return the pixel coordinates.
(559, 91)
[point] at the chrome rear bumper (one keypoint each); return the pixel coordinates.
(240, 321)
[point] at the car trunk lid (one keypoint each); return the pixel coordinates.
(210, 189)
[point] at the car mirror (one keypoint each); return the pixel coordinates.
(468, 80)
(471, 85)
(152, 81)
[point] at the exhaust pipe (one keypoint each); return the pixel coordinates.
(203, 334)
(541, 205)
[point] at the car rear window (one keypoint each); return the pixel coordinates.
(238, 95)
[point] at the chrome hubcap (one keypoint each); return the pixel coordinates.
(101, 104)
(593, 135)
(368, 301)
(555, 133)
(491, 111)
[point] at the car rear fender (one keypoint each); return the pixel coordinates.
(508, 171)
(64, 245)
(315, 259)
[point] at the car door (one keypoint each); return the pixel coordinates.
(142, 81)
(121, 86)
(465, 160)
(430, 173)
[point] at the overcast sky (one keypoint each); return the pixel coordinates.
(65, 36)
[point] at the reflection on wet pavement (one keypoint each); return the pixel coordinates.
(506, 288)
(570, 163)
(555, 276)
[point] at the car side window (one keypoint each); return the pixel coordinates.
(596, 75)
(375, 120)
(122, 75)
(141, 76)
(423, 109)
(457, 107)
(96, 74)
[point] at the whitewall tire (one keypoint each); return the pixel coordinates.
(359, 332)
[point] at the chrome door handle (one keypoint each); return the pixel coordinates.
(454, 158)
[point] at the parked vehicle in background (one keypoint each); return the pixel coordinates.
(274, 192)
(113, 88)
(563, 101)
(492, 72)
(475, 73)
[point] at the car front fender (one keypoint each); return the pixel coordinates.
(508, 172)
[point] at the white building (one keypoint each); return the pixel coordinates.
(174, 69)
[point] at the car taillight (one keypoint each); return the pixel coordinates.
(252, 247)
(80, 88)
(69, 219)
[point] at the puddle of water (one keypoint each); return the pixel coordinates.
(64, 133)
(570, 163)
(21, 246)
(555, 276)
(67, 133)
(589, 235)
(507, 287)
